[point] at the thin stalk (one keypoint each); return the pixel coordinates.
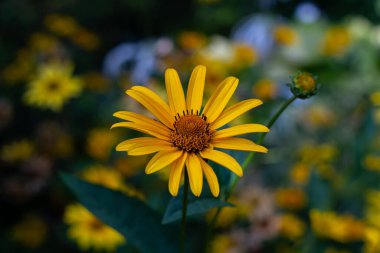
(184, 213)
(244, 166)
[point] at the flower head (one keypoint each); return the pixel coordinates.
(304, 85)
(52, 87)
(184, 135)
(89, 232)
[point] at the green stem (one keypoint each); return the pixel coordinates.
(184, 213)
(244, 166)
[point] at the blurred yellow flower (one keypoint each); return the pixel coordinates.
(109, 178)
(185, 135)
(43, 42)
(17, 151)
(61, 25)
(100, 143)
(291, 226)
(372, 162)
(227, 217)
(89, 232)
(222, 244)
(372, 213)
(52, 87)
(86, 39)
(318, 116)
(265, 89)
(290, 198)
(372, 240)
(317, 154)
(244, 55)
(31, 231)
(341, 228)
(300, 173)
(192, 40)
(375, 98)
(285, 35)
(336, 41)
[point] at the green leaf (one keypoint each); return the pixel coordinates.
(130, 216)
(195, 206)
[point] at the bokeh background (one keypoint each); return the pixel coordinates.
(64, 67)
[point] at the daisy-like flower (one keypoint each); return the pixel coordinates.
(184, 135)
(52, 87)
(89, 232)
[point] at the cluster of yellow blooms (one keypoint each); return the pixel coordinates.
(341, 228)
(87, 230)
(17, 151)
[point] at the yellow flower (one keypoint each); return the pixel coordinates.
(244, 55)
(109, 178)
(61, 25)
(31, 231)
(228, 216)
(372, 214)
(375, 98)
(100, 143)
(17, 151)
(290, 198)
(192, 40)
(336, 41)
(185, 135)
(341, 228)
(52, 87)
(291, 226)
(89, 232)
(372, 240)
(300, 173)
(222, 244)
(285, 35)
(265, 89)
(317, 116)
(372, 162)
(86, 39)
(42, 42)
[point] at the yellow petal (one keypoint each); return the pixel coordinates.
(144, 128)
(125, 145)
(149, 147)
(235, 111)
(239, 130)
(162, 159)
(175, 93)
(223, 159)
(194, 94)
(176, 174)
(238, 144)
(153, 103)
(220, 98)
(210, 177)
(141, 119)
(194, 170)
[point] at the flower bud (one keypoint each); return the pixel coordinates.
(304, 85)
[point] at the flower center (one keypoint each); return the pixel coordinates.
(53, 86)
(95, 224)
(191, 132)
